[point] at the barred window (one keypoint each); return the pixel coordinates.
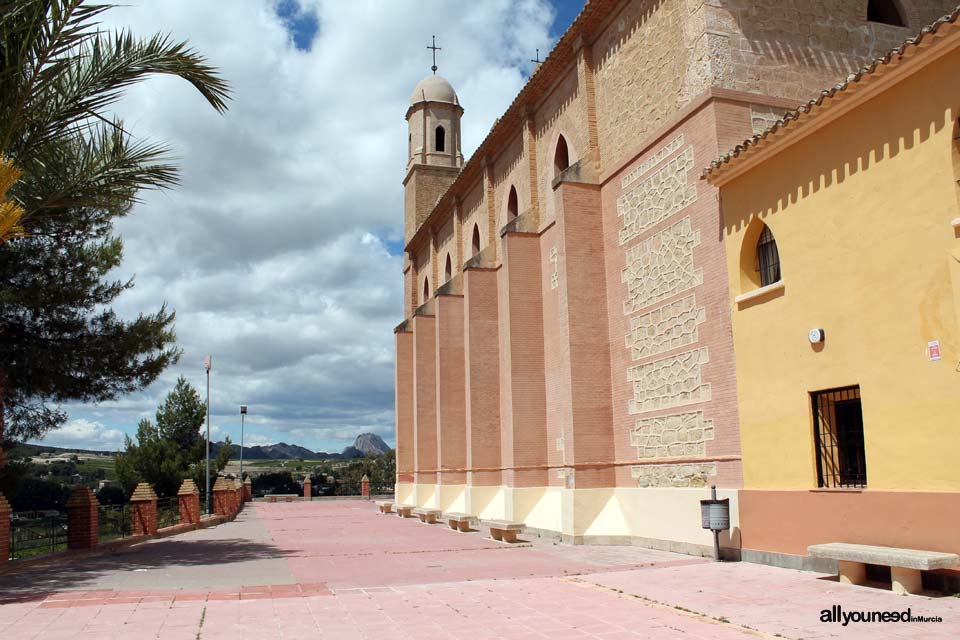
(768, 258)
(838, 435)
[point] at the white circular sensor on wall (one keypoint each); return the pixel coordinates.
(816, 336)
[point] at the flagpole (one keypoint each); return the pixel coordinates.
(207, 362)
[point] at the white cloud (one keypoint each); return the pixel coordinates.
(85, 434)
(274, 252)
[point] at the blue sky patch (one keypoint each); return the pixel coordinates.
(302, 25)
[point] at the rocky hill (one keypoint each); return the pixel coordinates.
(366, 444)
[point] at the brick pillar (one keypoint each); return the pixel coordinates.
(143, 510)
(482, 375)
(450, 386)
(189, 502)
(4, 529)
(425, 396)
(247, 490)
(307, 495)
(584, 375)
(523, 410)
(82, 519)
(237, 495)
(221, 501)
(404, 402)
(365, 487)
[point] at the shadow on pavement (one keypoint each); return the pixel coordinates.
(39, 581)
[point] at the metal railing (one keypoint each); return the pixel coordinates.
(35, 533)
(353, 489)
(168, 512)
(114, 521)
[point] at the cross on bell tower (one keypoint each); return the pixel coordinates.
(435, 49)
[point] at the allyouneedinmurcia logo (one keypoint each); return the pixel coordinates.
(837, 614)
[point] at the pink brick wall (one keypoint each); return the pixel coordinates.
(701, 129)
(450, 389)
(482, 382)
(404, 406)
(522, 391)
(425, 398)
(580, 285)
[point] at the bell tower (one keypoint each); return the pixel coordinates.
(434, 157)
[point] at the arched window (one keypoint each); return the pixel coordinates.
(561, 157)
(513, 206)
(885, 12)
(426, 290)
(448, 270)
(768, 258)
(476, 240)
(440, 139)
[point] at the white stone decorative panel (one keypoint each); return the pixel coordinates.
(665, 328)
(670, 382)
(674, 475)
(656, 198)
(652, 161)
(661, 266)
(673, 436)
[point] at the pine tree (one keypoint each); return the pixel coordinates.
(60, 76)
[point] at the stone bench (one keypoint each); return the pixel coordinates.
(427, 515)
(404, 510)
(504, 530)
(905, 564)
(460, 521)
(385, 506)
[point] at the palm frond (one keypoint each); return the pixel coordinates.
(105, 169)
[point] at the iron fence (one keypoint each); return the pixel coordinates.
(353, 489)
(114, 521)
(34, 533)
(168, 512)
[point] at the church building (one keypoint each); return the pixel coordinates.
(567, 358)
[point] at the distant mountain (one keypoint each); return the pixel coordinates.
(370, 444)
(366, 444)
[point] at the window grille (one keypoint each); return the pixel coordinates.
(838, 434)
(768, 258)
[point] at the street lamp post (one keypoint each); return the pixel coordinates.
(207, 364)
(243, 413)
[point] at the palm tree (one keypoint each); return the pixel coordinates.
(60, 73)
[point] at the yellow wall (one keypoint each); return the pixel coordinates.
(861, 211)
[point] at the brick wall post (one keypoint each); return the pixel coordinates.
(237, 496)
(221, 501)
(307, 495)
(189, 502)
(82, 519)
(4, 529)
(247, 490)
(365, 487)
(143, 510)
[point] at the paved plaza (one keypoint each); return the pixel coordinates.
(338, 569)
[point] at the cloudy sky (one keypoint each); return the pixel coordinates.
(281, 251)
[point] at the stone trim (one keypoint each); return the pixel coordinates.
(761, 293)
